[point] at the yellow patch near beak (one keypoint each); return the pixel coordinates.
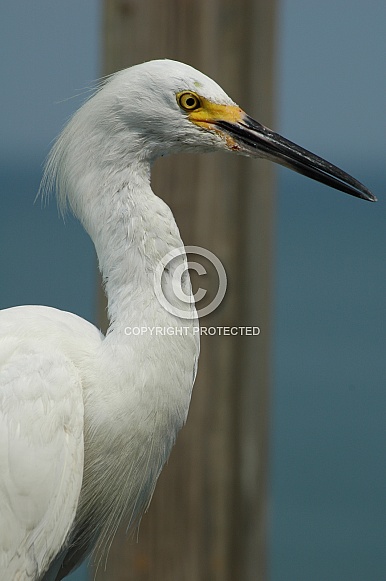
(209, 113)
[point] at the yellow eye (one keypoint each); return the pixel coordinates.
(188, 101)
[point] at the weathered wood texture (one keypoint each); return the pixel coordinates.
(208, 516)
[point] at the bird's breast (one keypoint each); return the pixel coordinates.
(132, 419)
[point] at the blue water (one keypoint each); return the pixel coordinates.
(328, 463)
(43, 259)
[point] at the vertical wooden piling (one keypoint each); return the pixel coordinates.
(208, 517)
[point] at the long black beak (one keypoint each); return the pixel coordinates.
(256, 140)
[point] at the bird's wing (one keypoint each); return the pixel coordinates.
(41, 453)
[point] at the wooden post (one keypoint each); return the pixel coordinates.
(207, 519)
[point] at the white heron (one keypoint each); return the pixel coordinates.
(87, 421)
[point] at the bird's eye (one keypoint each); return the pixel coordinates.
(188, 101)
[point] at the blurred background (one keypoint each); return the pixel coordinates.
(327, 479)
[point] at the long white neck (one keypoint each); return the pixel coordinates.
(132, 232)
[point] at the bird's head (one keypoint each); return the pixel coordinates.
(162, 107)
(166, 106)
